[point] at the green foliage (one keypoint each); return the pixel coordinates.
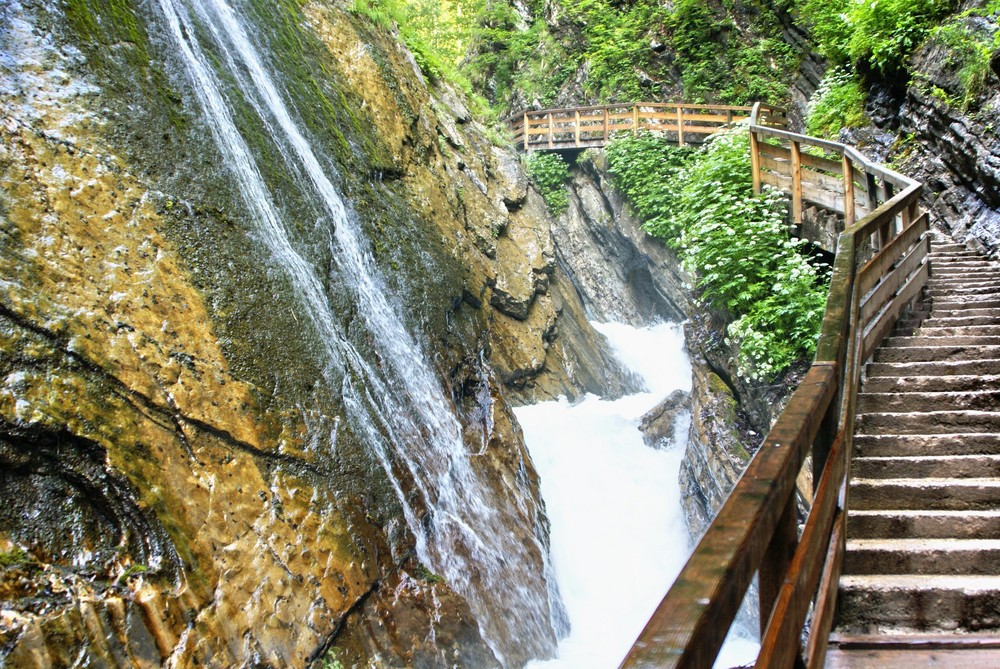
(426, 575)
(133, 570)
(879, 35)
(642, 165)
(550, 173)
(839, 102)
(969, 50)
(15, 557)
(736, 244)
(886, 32)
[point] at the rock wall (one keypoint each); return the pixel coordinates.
(182, 484)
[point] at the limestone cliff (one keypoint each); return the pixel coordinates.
(184, 480)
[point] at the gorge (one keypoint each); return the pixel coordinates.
(275, 303)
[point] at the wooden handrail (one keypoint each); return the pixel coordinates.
(879, 270)
(591, 127)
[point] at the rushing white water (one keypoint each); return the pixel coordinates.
(617, 526)
(396, 402)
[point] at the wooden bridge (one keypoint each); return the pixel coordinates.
(592, 127)
(908, 444)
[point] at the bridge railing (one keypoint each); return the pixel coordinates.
(880, 269)
(586, 127)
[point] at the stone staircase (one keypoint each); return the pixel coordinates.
(921, 576)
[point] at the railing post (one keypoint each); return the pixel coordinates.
(796, 183)
(755, 160)
(635, 121)
(525, 137)
(849, 213)
(606, 124)
(551, 143)
(885, 230)
(680, 126)
(578, 128)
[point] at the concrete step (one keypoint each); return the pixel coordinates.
(891, 445)
(964, 287)
(923, 523)
(968, 331)
(943, 276)
(959, 266)
(974, 494)
(930, 384)
(965, 311)
(930, 466)
(947, 246)
(946, 322)
(909, 651)
(980, 557)
(922, 340)
(958, 367)
(928, 422)
(979, 301)
(886, 604)
(910, 401)
(931, 353)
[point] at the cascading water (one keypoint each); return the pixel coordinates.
(396, 403)
(618, 532)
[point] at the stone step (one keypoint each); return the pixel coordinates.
(963, 281)
(886, 604)
(945, 246)
(913, 401)
(967, 331)
(928, 422)
(957, 253)
(923, 523)
(921, 340)
(930, 466)
(980, 557)
(946, 322)
(930, 353)
(890, 445)
(931, 384)
(926, 493)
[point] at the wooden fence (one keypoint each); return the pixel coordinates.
(880, 269)
(591, 127)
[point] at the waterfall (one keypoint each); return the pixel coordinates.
(395, 402)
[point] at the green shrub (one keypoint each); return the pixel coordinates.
(969, 51)
(550, 173)
(839, 102)
(886, 32)
(735, 244)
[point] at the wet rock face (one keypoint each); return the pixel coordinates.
(184, 483)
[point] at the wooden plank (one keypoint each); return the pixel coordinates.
(883, 325)
(832, 344)
(826, 600)
(888, 210)
(820, 163)
(776, 165)
(824, 198)
(823, 181)
(777, 558)
(875, 269)
(775, 151)
(691, 622)
(776, 180)
(780, 641)
(709, 118)
(893, 281)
